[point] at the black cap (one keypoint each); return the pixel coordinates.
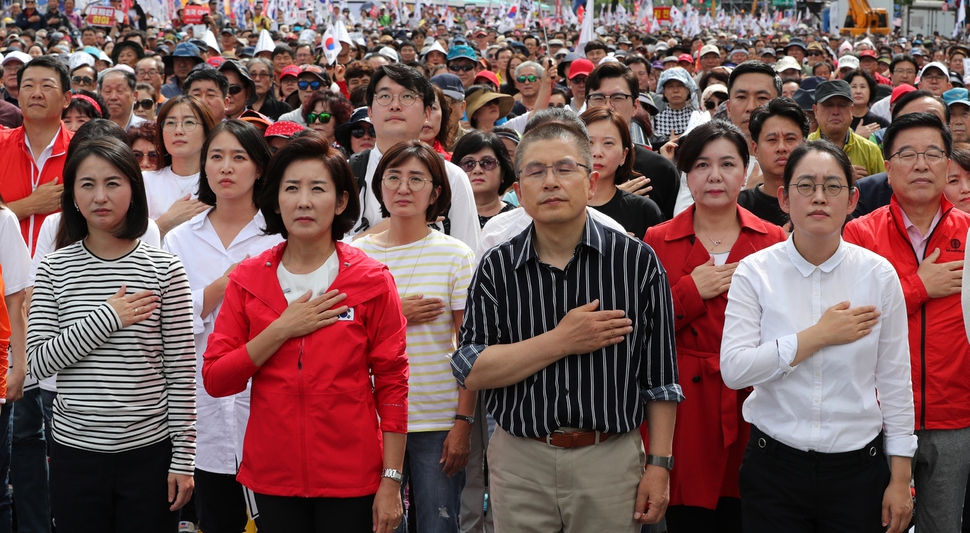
(804, 98)
(829, 89)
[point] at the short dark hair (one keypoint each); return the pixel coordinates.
(406, 77)
(911, 121)
(475, 141)
(198, 107)
(210, 74)
(85, 107)
(309, 147)
(625, 171)
(281, 50)
(403, 152)
(777, 107)
(94, 129)
(251, 140)
(962, 158)
(119, 155)
(902, 58)
(338, 104)
(689, 147)
(144, 130)
(754, 66)
(612, 69)
(870, 81)
(52, 63)
(919, 94)
(633, 59)
(824, 146)
(595, 45)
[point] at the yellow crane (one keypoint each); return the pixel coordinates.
(862, 19)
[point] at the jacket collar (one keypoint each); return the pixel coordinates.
(682, 226)
(896, 211)
(62, 139)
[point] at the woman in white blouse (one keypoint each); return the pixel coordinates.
(210, 246)
(817, 327)
(182, 127)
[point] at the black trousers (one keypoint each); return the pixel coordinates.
(784, 489)
(282, 514)
(220, 503)
(726, 518)
(121, 492)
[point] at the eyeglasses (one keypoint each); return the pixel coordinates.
(82, 80)
(323, 118)
(235, 89)
(933, 77)
(905, 71)
(565, 169)
(359, 132)
(147, 103)
(188, 125)
(578, 80)
(530, 79)
(933, 156)
(813, 54)
(393, 183)
(303, 84)
(151, 72)
(152, 156)
(406, 99)
(831, 187)
(461, 68)
(487, 163)
(259, 75)
(600, 99)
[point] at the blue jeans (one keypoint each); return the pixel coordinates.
(437, 497)
(47, 399)
(28, 468)
(6, 429)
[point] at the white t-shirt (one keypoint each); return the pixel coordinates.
(318, 281)
(14, 255)
(164, 187)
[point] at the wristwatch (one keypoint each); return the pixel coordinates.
(395, 475)
(469, 419)
(660, 460)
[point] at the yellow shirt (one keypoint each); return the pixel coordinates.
(861, 151)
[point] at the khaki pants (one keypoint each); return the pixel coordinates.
(541, 489)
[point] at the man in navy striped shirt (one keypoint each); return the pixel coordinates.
(569, 331)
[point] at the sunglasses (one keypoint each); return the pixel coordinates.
(461, 68)
(813, 54)
(360, 131)
(311, 84)
(711, 105)
(235, 89)
(487, 163)
(147, 103)
(82, 80)
(323, 118)
(530, 79)
(152, 156)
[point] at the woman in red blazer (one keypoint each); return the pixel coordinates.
(317, 326)
(700, 249)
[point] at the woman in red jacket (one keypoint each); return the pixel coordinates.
(317, 326)
(700, 249)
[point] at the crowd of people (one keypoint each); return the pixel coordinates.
(470, 280)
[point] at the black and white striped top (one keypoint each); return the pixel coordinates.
(118, 389)
(514, 296)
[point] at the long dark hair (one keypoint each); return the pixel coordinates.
(73, 224)
(251, 140)
(197, 106)
(475, 141)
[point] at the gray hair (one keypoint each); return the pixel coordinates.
(129, 77)
(562, 115)
(539, 70)
(551, 131)
(264, 61)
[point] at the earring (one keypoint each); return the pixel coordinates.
(76, 208)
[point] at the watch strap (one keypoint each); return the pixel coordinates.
(661, 460)
(395, 475)
(466, 418)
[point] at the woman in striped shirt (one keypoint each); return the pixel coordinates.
(432, 272)
(113, 317)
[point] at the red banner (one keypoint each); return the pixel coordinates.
(101, 16)
(194, 13)
(661, 13)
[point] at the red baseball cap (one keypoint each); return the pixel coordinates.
(489, 76)
(685, 57)
(867, 53)
(580, 67)
(283, 128)
(291, 70)
(899, 91)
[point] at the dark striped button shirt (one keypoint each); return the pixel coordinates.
(514, 296)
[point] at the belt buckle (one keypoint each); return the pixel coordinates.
(558, 432)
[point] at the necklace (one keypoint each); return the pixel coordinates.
(717, 242)
(424, 241)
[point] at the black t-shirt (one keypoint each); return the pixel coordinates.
(763, 206)
(634, 213)
(483, 220)
(869, 118)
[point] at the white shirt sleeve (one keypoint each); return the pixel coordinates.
(14, 255)
(463, 213)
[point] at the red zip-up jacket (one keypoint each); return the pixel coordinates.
(20, 173)
(313, 424)
(938, 347)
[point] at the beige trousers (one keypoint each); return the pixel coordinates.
(536, 488)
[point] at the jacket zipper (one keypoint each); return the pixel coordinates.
(303, 447)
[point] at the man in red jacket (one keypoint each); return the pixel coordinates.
(923, 236)
(33, 155)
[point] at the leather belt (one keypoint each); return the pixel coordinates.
(574, 439)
